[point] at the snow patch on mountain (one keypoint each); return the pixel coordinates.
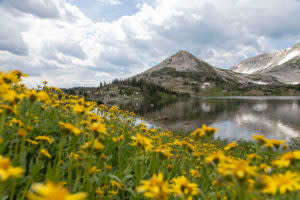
(290, 56)
(255, 64)
(247, 71)
(260, 83)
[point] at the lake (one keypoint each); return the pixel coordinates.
(235, 117)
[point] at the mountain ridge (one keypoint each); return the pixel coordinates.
(277, 64)
(183, 74)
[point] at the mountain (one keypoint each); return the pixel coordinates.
(182, 61)
(283, 65)
(185, 73)
(288, 73)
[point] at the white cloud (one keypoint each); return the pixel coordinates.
(55, 41)
(109, 2)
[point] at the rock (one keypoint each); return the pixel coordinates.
(165, 118)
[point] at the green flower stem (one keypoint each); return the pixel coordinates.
(58, 160)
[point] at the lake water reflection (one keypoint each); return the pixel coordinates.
(235, 117)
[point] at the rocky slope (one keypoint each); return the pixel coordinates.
(185, 73)
(283, 65)
(288, 72)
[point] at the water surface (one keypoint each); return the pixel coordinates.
(235, 117)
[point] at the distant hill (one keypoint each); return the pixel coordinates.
(284, 65)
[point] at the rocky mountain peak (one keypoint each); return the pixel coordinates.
(181, 61)
(284, 65)
(297, 45)
(268, 61)
(182, 53)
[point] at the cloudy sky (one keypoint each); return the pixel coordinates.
(82, 42)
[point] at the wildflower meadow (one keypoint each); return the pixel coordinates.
(54, 146)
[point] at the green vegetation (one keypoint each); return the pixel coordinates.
(126, 90)
(54, 147)
(207, 75)
(150, 91)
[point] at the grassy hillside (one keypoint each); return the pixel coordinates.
(58, 147)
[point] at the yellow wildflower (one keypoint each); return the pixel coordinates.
(230, 146)
(265, 167)
(184, 144)
(290, 181)
(86, 145)
(155, 188)
(8, 109)
(22, 132)
(44, 138)
(253, 157)
(69, 128)
(32, 142)
(287, 158)
(7, 170)
(204, 132)
(141, 141)
(215, 158)
(35, 121)
(103, 156)
(79, 109)
(170, 166)
(182, 187)
(274, 143)
(195, 173)
(29, 128)
(32, 95)
(45, 153)
(75, 156)
(281, 163)
(98, 128)
(209, 131)
(113, 192)
(164, 152)
(93, 170)
(84, 122)
(117, 184)
(291, 155)
(52, 191)
(118, 139)
(98, 146)
(260, 138)
(19, 123)
(94, 118)
(199, 155)
(99, 191)
(198, 133)
(237, 168)
(42, 96)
